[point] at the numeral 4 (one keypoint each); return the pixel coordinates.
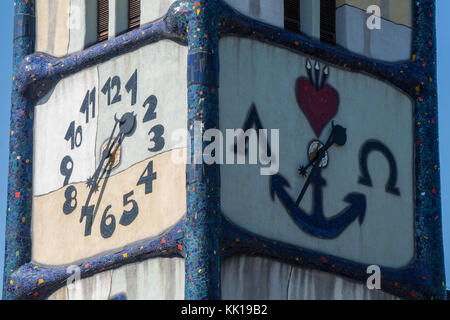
(147, 178)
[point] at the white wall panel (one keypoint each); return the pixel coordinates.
(390, 43)
(268, 11)
(257, 278)
(152, 279)
(53, 116)
(118, 17)
(151, 10)
(83, 30)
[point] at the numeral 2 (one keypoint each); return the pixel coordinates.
(151, 102)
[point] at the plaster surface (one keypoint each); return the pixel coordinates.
(396, 11)
(118, 17)
(154, 9)
(393, 42)
(268, 11)
(153, 279)
(83, 30)
(52, 27)
(257, 278)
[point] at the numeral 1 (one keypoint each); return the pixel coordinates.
(132, 86)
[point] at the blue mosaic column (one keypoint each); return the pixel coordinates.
(202, 227)
(428, 191)
(19, 199)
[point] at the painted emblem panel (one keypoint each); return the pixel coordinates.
(360, 206)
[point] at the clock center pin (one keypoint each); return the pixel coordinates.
(313, 150)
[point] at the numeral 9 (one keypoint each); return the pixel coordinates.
(66, 169)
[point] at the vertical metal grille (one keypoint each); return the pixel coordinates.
(134, 14)
(102, 20)
(328, 21)
(292, 15)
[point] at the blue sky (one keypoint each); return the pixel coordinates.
(443, 26)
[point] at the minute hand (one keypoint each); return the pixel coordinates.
(338, 136)
(92, 181)
(127, 123)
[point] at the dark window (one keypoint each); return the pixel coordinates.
(328, 21)
(134, 14)
(102, 20)
(292, 15)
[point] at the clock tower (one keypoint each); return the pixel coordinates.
(114, 103)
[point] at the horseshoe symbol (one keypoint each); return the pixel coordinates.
(364, 179)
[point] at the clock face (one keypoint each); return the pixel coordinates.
(103, 170)
(344, 184)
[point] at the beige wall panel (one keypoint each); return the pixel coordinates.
(52, 27)
(60, 294)
(41, 25)
(397, 11)
(59, 239)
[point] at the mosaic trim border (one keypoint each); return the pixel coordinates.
(200, 24)
(18, 219)
(36, 281)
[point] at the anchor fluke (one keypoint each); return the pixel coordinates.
(277, 181)
(358, 203)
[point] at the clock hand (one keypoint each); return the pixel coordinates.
(305, 187)
(126, 126)
(127, 123)
(337, 136)
(92, 181)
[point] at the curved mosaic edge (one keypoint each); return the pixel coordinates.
(36, 281)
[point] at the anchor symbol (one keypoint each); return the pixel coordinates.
(316, 223)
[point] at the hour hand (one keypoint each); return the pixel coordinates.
(126, 125)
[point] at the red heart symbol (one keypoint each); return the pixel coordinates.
(320, 106)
